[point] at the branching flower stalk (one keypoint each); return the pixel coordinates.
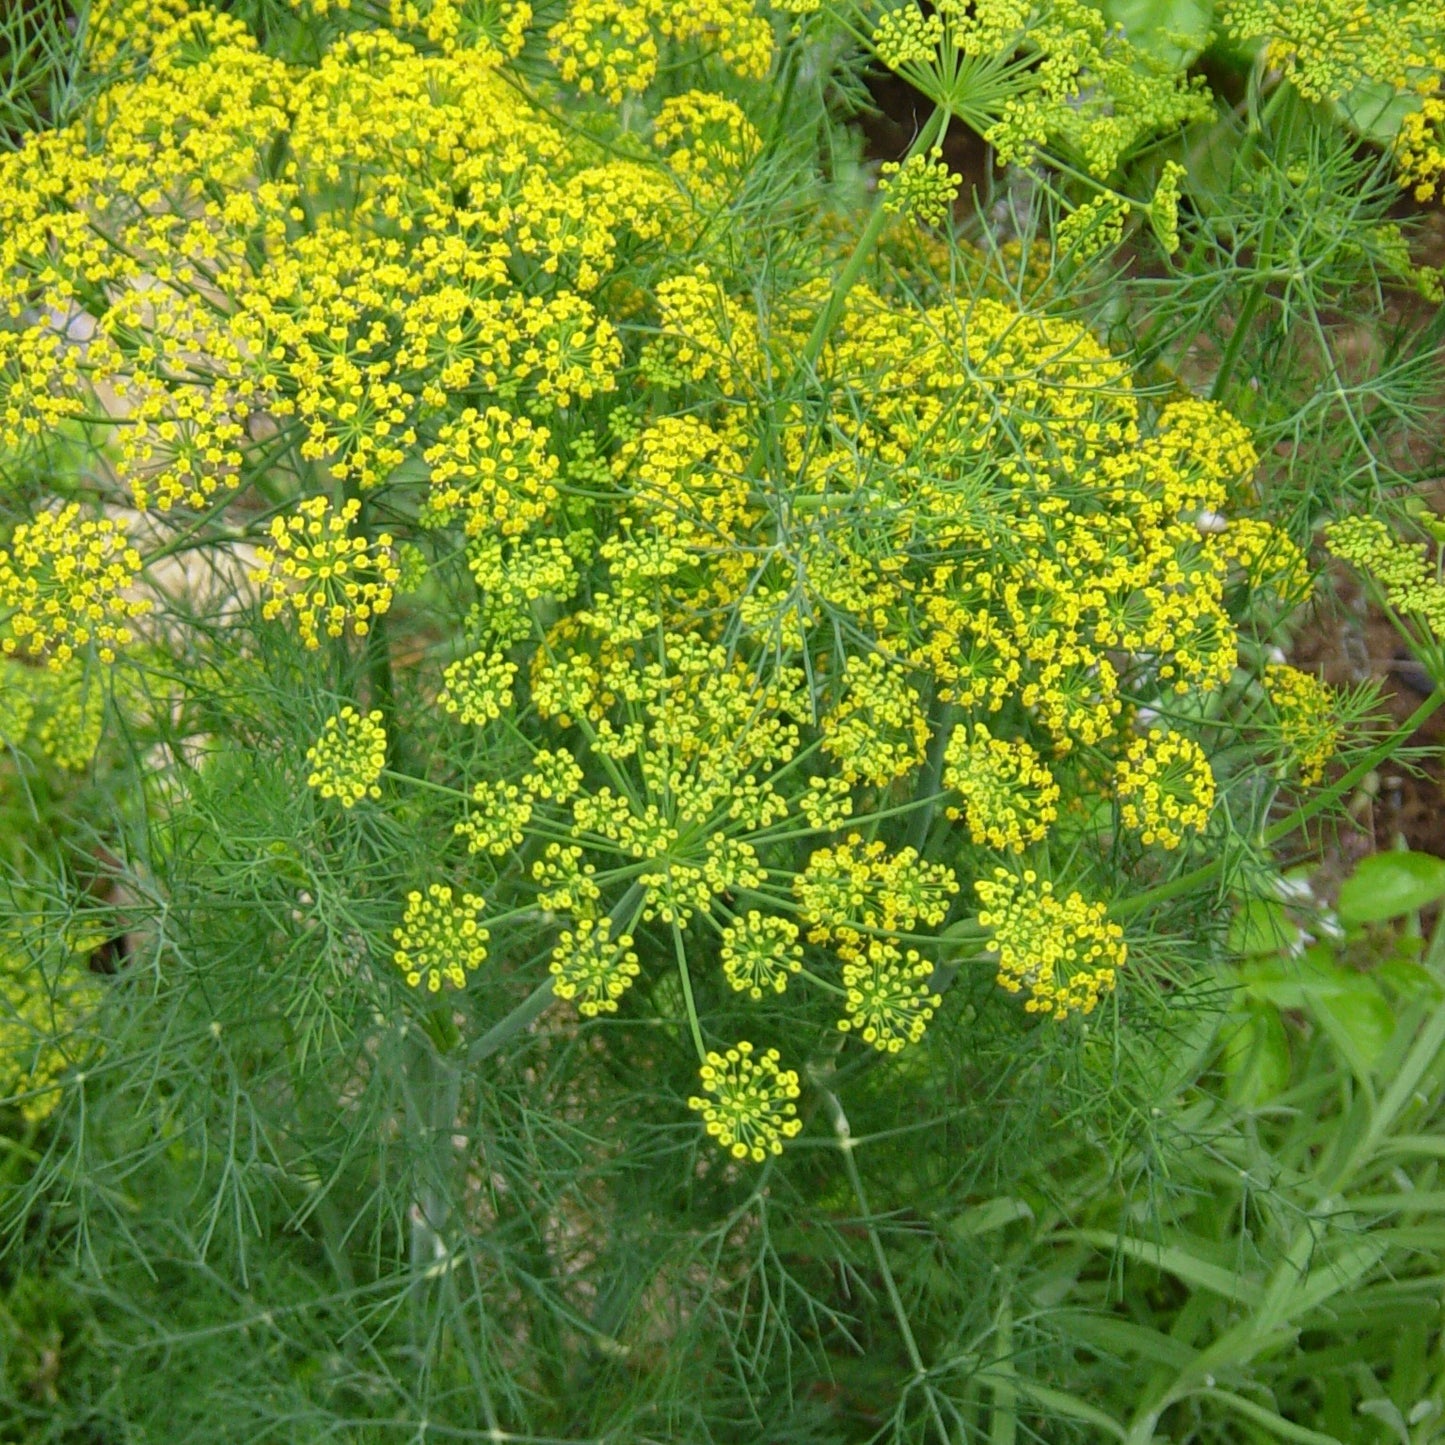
(485, 541)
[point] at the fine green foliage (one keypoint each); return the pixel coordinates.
(646, 791)
(41, 66)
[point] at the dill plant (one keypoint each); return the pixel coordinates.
(673, 765)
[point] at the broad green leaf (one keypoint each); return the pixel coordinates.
(1358, 1019)
(1110, 1335)
(1071, 1407)
(1276, 1424)
(1422, 1201)
(1390, 885)
(1349, 1006)
(1261, 926)
(1173, 31)
(1255, 1057)
(1172, 1259)
(1375, 110)
(1427, 1146)
(1407, 978)
(987, 1217)
(1302, 1281)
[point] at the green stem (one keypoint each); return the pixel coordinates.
(680, 948)
(518, 1021)
(832, 313)
(1252, 303)
(932, 779)
(843, 1135)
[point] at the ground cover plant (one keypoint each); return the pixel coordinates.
(651, 767)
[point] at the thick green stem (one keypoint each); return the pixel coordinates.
(832, 313)
(1247, 312)
(433, 1090)
(680, 948)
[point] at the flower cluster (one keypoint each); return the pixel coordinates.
(327, 577)
(478, 688)
(709, 142)
(493, 27)
(1352, 50)
(1307, 717)
(491, 469)
(921, 186)
(614, 49)
(348, 757)
(1027, 76)
(859, 888)
(1062, 952)
(439, 940)
(64, 579)
(890, 1000)
(41, 1020)
(749, 1106)
(767, 640)
(1164, 206)
(1009, 796)
(592, 967)
(1165, 788)
(1411, 585)
(759, 952)
(1093, 230)
(1420, 147)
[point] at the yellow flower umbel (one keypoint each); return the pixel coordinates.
(591, 966)
(921, 186)
(708, 141)
(877, 731)
(63, 579)
(74, 703)
(1164, 206)
(327, 577)
(1411, 585)
(495, 824)
(1009, 796)
(41, 1019)
(750, 1107)
(759, 953)
(478, 688)
(17, 705)
(1420, 148)
(1063, 953)
(492, 470)
(1092, 230)
(1304, 708)
(889, 998)
(1024, 75)
(1165, 788)
(857, 888)
(1342, 50)
(438, 939)
(348, 757)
